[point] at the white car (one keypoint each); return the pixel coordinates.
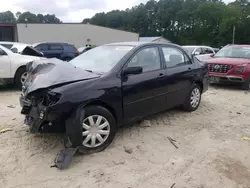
(13, 65)
(201, 52)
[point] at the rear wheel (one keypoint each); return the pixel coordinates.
(20, 77)
(193, 100)
(98, 129)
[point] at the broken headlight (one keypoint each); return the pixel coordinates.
(50, 98)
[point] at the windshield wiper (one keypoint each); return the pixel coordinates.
(92, 71)
(88, 70)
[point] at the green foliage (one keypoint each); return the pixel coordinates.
(207, 22)
(8, 17)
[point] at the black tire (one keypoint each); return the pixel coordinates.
(99, 110)
(187, 104)
(17, 80)
(246, 84)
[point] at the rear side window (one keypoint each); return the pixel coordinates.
(174, 57)
(55, 47)
(70, 48)
(199, 50)
(42, 47)
(207, 51)
(7, 45)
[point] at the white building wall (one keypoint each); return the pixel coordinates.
(161, 40)
(77, 34)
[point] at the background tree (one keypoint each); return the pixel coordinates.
(207, 22)
(8, 17)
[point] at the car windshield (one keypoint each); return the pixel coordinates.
(234, 52)
(101, 59)
(189, 49)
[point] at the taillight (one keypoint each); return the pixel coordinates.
(77, 53)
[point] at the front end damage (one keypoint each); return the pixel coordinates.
(42, 115)
(39, 113)
(46, 110)
(47, 105)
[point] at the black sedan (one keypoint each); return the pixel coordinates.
(109, 86)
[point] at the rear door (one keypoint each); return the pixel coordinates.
(5, 64)
(180, 75)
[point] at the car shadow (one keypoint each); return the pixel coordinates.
(7, 88)
(230, 86)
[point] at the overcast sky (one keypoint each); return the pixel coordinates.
(69, 10)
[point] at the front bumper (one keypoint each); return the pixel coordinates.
(40, 118)
(226, 78)
(35, 115)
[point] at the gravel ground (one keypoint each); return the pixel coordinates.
(210, 151)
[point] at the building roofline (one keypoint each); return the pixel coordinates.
(71, 23)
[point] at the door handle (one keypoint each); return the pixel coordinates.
(189, 68)
(161, 75)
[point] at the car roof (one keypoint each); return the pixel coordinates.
(137, 43)
(195, 46)
(19, 46)
(61, 43)
(243, 45)
(14, 43)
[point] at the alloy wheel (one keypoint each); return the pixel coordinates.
(96, 130)
(24, 77)
(195, 97)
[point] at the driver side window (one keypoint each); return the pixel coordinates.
(147, 58)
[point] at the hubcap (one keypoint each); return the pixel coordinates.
(96, 130)
(195, 97)
(24, 77)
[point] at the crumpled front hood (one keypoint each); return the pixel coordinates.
(51, 72)
(224, 60)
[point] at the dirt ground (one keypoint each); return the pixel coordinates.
(210, 151)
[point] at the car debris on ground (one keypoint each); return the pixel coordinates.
(5, 130)
(172, 141)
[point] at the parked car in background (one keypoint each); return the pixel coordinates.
(21, 48)
(216, 49)
(201, 52)
(62, 51)
(231, 64)
(109, 86)
(13, 66)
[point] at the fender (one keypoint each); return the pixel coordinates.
(73, 127)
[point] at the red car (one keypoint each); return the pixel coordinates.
(231, 64)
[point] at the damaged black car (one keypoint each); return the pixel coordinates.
(89, 97)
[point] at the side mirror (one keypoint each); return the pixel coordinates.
(212, 55)
(196, 53)
(132, 70)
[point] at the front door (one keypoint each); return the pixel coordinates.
(4, 64)
(55, 51)
(180, 75)
(143, 94)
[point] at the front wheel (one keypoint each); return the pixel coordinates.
(193, 100)
(98, 129)
(20, 77)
